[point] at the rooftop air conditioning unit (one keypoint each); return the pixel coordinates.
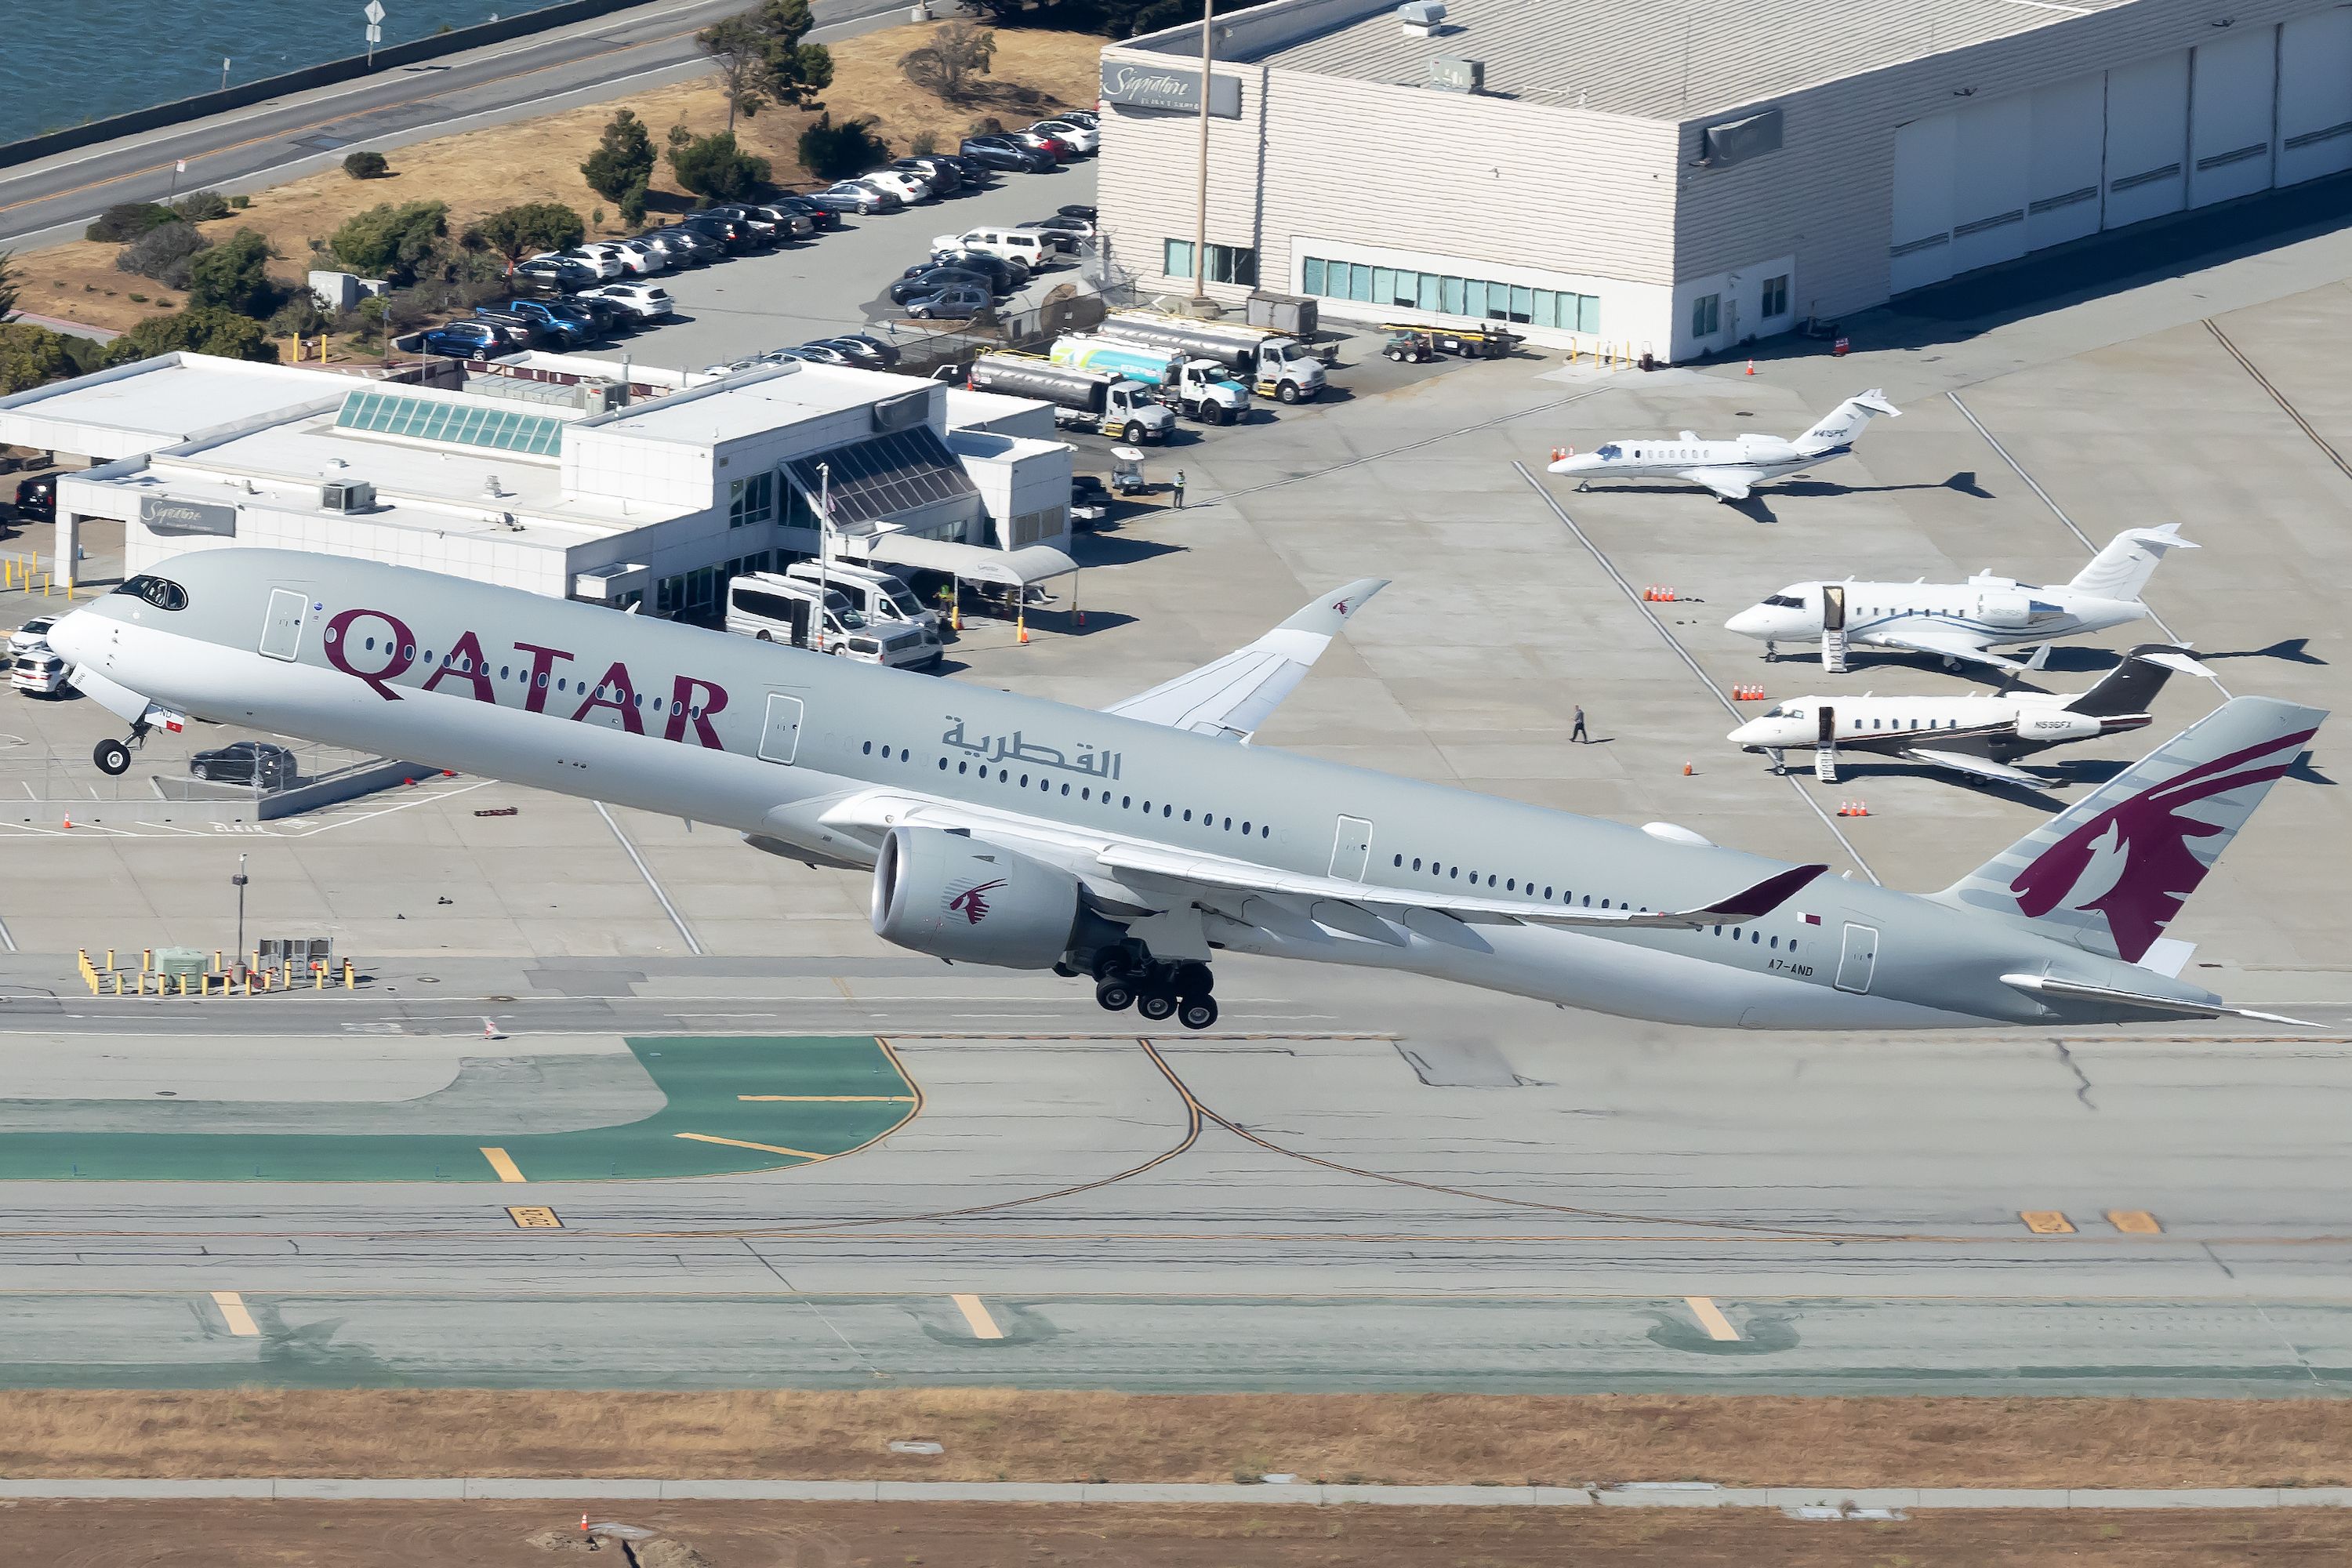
(1452, 73)
(347, 496)
(1422, 18)
(602, 396)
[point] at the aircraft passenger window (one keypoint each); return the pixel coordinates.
(960, 767)
(1605, 904)
(1399, 859)
(1245, 834)
(1065, 789)
(1490, 878)
(637, 700)
(1003, 774)
(1416, 862)
(370, 647)
(1188, 817)
(869, 747)
(1512, 886)
(1776, 941)
(1125, 801)
(1755, 936)
(1229, 825)
(1166, 811)
(943, 765)
(1457, 871)
(502, 671)
(1083, 794)
(1266, 833)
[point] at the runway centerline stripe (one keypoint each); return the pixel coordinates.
(1710, 1318)
(506, 1169)
(233, 1312)
(975, 1312)
(763, 1148)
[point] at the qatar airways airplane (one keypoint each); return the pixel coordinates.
(1134, 844)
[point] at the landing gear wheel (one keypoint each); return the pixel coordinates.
(1192, 980)
(1115, 993)
(765, 636)
(1197, 1012)
(113, 758)
(1157, 1005)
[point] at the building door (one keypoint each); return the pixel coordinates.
(2147, 138)
(1991, 158)
(1919, 249)
(2062, 182)
(1860, 957)
(780, 741)
(282, 632)
(1351, 846)
(2232, 98)
(2314, 95)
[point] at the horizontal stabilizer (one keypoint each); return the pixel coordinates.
(2153, 1006)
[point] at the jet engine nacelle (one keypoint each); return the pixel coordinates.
(2005, 609)
(955, 897)
(2056, 725)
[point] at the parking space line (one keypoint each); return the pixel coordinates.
(506, 1169)
(975, 1312)
(233, 1312)
(647, 871)
(763, 1148)
(1710, 1318)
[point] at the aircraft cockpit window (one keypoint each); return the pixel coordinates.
(1611, 451)
(1776, 711)
(160, 592)
(1786, 602)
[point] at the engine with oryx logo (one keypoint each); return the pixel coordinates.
(957, 898)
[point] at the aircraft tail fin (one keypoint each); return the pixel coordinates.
(1840, 425)
(2111, 871)
(2123, 567)
(2131, 686)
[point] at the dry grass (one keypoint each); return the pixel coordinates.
(991, 1434)
(539, 161)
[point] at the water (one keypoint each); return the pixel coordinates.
(61, 64)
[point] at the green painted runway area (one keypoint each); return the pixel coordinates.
(812, 1097)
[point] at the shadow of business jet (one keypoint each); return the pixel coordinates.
(2295, 650)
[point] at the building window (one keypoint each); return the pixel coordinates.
(1449, 299)
(1707, 315)
(1233, 264)
(800, 510)
(1440, 294)
(1311, 281)
(1360, 282)
(751, 501)
(1776, 295)
(1176, 260)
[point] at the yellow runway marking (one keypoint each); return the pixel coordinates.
(2046, 1222)
(975, 1312)
(2134, 1222)
(763, 1148)
(231, 1311)
(506, 1169)
(1710, 1318)
(831, 1098)
(532, 1217)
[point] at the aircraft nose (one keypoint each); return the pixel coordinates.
(1751, 622)
(1575, 462)
(73, 637)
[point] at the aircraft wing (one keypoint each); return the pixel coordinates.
(1975, 767)
(1944, 643)
(2154, 1006)
(1732, 482)
(1236, 694)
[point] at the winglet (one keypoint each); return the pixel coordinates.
(1327, 615)
(1753, 903)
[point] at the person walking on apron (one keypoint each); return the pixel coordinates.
(1578, 733)
(1177, 484)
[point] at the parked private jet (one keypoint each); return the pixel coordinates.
(1133, 845)
(1963, 622)
(1979, 736)
(1730, 468)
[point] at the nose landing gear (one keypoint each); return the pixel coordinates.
(1157, 990)
(113, 757)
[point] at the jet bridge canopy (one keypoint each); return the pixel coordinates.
(1022, 568)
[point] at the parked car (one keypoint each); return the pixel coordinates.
(975, 172)
(1089, 500)
(36, 498)
(1085, 138)
(596, 315)
(821, 217)
(630, 263)
(764, 228)
(956, 301)
(1067, 223)
(466, 340)
(1080, 209)
(823, 353)
(729, 236)
(1053, 147)
(910, 188)
(556, 275)
(652, 258)
(1086, 116)
(931, 280)
(602, 265)
(777, 356)
(1025, 245)
(792, 223)
(40, 673)
(700, 248)
(243, 762)
(872, 353)
(941, 175)
(560, 328)
(1003, 152)
(860, 196)
(32, 634)
(640, 302)
(1006, 273)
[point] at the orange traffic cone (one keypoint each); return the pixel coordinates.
(1686, 770)
(69, 819)
(583, 1524)
(1751, 367)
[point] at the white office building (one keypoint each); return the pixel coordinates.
(1678, 178)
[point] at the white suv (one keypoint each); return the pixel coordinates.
(1085, 139)
(907, 187)
(647, 302)
(1027, 246)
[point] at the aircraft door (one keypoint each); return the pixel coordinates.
(1826, 734)
(1832, 607)
(281, 629)
(1860, 957)
(780, 741)
(1351, 846)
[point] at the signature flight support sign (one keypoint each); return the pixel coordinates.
(1169, 87)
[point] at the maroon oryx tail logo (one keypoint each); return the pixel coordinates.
(2143, 845)
(971, 904)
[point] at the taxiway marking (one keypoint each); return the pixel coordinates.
(763, 1148)
(975, 1312)
(2134, 1222)
(830, 1098)
(1710, 1318)
(231, 1311)
(2046, 1222)
(506, 1169)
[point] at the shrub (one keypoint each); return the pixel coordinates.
(923, 143)
(366, 165)
(138, 299)
(624, 158)
(633, 205)
(987, 125)
(202, 206)
(163, 254)
(202, 330)
(715, 168)
(240, 203)
(390, 242)
(30, 355)
(300, 316)
(957, 52)
(518, 231)
(832, 151)
(234, 275)
(128, 220)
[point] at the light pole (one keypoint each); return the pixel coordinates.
(1201, 215)
(224, 73)
(238, 882)
(823, 548)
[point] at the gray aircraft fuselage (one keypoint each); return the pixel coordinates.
(769, 740)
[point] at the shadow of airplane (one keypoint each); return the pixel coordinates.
(1756, 508)
(2295, 650)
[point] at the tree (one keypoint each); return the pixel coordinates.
(202, 206)
(367, 166)
(206, 330)
(633, 205)
(30, 355)
(624, 157)
(762, 60)
(7, 286)
(715, 168)
(390, 242)
(516, 232)
(832, 151)
(234, 275)
(163, 252)
(957, 53)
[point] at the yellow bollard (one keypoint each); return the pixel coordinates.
(319, 978)
(45, 584)
(183, 986)
(249, 982)
(146, 959)
(217, 961)
(118, 983)
(349, 983)
(110, 958)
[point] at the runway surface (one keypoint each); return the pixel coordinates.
(1341, 1188)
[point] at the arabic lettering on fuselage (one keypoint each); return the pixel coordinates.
(1016, 748)
(692, 700)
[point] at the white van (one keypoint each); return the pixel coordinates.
(880, 596)
(1032, 248)
(776, 608)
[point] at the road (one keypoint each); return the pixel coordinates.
(54, 198)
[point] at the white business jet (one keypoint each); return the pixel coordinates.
(1979, 736)
(1962, 622)
(1730, 468)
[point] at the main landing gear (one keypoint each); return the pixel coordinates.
(1157, 990)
